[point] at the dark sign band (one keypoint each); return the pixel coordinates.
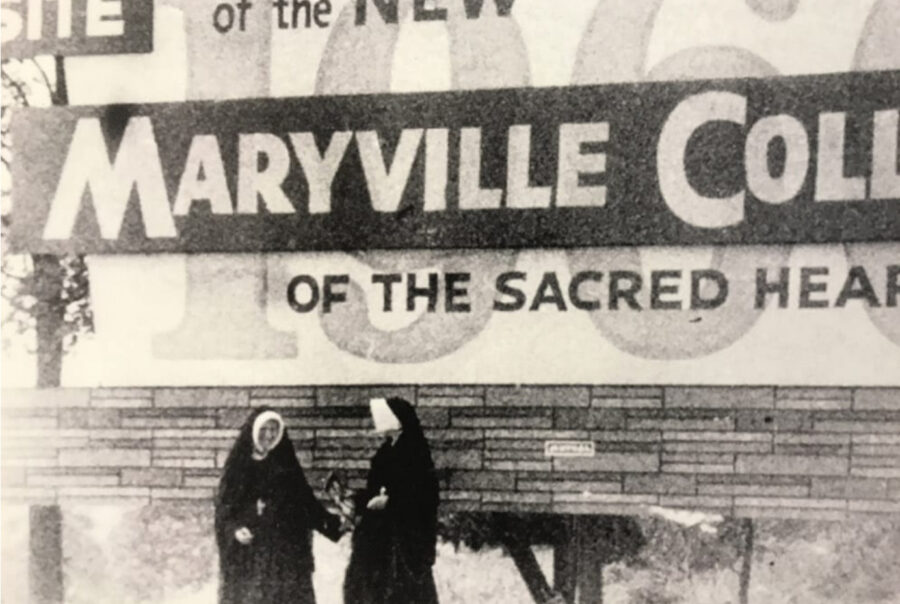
(743, 161)
(77, 27)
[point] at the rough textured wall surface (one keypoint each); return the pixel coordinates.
(808, 453)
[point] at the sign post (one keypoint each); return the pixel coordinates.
(64, 28)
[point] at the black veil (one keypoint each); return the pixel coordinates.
(412, 439)
(237, 467)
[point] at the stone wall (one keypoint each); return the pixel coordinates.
(743, 451)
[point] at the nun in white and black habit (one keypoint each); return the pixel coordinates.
(265, 512)
(394, 543)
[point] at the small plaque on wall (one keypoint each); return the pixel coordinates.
(569, 448)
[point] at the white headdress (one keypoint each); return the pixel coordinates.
(382, 416)
(260, 421)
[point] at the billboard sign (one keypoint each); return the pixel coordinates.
(809, 159)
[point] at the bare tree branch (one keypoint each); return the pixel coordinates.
(43, 74)
(28, 298)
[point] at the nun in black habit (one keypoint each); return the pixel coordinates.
(394, 542)
(265, 512)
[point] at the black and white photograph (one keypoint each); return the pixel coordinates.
(450, 301)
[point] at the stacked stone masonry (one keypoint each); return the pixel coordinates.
(811, 453)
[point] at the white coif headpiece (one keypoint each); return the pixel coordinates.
(382, 416)
(260, 421)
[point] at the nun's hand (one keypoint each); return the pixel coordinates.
(379, 501)
(243, 535)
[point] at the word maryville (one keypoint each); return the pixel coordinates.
(265, 160)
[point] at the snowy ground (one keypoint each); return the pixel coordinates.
(129, 556)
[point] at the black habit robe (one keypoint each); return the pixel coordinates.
(272, 498)
(394, 548)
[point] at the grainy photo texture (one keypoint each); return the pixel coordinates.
(420, 301)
